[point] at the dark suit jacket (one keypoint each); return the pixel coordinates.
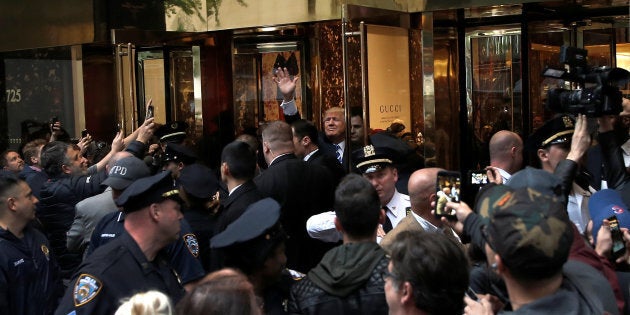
(330, 163)
(329, 148)
(302, 190)
(236, 203)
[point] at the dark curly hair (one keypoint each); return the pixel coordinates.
(436, 267)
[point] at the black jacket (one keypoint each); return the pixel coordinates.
(302, 190)
(181, 254)
(348, 280)
(330, 163)
(614, 168)
(29, 277)
(236, 203)
(115, 271)
(34, 179)
(56, 210)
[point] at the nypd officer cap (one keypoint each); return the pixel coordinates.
(172, 132)
(255, 222)
(178, 153)
(558, 130)
(148, 190)
(370, 159)
(198, 181)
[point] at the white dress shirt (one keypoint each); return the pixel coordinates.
(322, 226)
(397, 207)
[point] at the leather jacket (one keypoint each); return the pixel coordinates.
(308, 298)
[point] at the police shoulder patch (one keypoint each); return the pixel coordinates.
(191, 243)
(86, 288)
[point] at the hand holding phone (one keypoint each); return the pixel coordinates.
(618, 244)
(53, 121)
(447, 189)
(150, 110)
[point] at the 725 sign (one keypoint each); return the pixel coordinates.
(14, 95)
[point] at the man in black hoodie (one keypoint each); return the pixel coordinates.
(348, 280)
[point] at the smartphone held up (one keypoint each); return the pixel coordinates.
(448, 188)
(618, 244)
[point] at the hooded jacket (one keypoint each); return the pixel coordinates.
(347, 281)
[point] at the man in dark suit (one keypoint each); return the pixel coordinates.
(301, 189)
(238, 166)
(306, 145)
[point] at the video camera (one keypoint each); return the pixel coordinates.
(597, 92)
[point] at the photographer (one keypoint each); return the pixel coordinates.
(614, 143)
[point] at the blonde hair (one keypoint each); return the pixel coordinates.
(146, 303)
(335, 109)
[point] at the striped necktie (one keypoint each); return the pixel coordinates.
(338, 153)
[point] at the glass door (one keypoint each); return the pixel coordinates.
(168, 76)
(256, 96)
(493, 84)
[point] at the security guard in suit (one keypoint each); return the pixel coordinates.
(134, 261)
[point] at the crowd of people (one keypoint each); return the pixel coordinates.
(298, 221)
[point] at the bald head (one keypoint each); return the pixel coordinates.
(421, 186)
(506, 151)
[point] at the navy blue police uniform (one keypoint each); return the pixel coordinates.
(119, 269)
(200, 185)
(183, 255)
(29, 276)
(97, 287)
(249, 242)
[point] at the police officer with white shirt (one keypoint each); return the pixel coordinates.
(376, 164)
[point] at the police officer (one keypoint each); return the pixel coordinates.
(173, 132)
(134, 261)
(376, 164)
(29, 276)
(559, 146)
(198, 187)
(176, 157)
(254, 244)
(183, 254)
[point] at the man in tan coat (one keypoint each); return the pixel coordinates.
(421, 193)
